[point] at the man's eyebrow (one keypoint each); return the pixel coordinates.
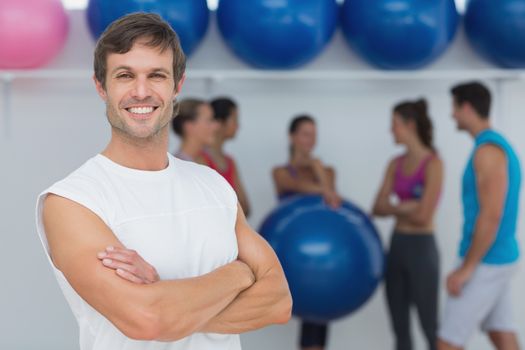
(163, 70)
(156, 70)
(120, 68)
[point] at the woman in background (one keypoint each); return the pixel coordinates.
(195, 125)
(226, 115)
(306, 174)
(415, 178)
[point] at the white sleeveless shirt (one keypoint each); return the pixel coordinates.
(180, 219)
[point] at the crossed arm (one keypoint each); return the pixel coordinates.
(239, 296)
(325, 186)
(417, 212)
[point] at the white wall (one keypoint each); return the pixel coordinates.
(56, 124)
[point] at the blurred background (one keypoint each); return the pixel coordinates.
(346, 64)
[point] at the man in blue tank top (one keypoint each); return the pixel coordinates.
(479, 288)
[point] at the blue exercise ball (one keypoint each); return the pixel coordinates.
(399, 34)
(189, 18)
(277, 34)
(496, 30)
(333, 258)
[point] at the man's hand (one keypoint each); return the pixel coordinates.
(129, 265)
(457, 279)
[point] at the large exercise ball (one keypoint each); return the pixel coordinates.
(496, 29)
(277, 34)
(189, 18)
(32, 32)
(399, 34)
(333, 258)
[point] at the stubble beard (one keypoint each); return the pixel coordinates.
(120, 126)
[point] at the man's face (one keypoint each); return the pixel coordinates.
(140, 90)
(459, 114)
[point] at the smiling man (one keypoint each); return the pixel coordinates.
(218, 278)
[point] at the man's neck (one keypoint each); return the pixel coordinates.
(479, 127)
(147, 154)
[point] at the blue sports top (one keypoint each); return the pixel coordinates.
(505, 249)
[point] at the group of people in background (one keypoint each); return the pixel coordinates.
(154, 252)
(478, 289)
(203, 128)
(479, 293)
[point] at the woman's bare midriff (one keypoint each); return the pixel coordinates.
(408, 228)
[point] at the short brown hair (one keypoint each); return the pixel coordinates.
(187, 112)
(475, 93)
(121, 35)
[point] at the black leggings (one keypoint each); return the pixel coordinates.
(412, 277)
(313, 334)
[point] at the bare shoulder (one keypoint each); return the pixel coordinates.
(435, 163)
(488, 156)
(392, 164)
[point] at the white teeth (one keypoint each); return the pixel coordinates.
(141, 110)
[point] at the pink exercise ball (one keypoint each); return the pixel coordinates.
(32, 32)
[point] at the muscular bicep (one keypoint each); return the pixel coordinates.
(253, 249)
(75, 236)
(491, 180)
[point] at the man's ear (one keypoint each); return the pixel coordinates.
(178, 86)
(100, 89)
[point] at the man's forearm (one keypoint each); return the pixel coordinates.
(184, 306)
(483, 238)
(266, 302)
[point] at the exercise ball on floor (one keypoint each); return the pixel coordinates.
(496, 30)
(189, 18)
(277, 34)
(32, 32)
(399, 34)
(333, 258)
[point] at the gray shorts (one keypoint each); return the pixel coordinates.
(485, 303)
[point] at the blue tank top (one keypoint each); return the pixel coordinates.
(504, 250)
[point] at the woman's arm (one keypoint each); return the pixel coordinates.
(285, 182)
(241, 193)
(425, 208)
(382, 205)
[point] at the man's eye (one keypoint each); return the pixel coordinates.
(124, 76)
(158, 76)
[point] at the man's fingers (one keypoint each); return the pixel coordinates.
(128, 276)
(125, 258)
(128, 261)
(454, 288)
(450, 288)
(115, 264)
(120, 250)
(145, 277)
